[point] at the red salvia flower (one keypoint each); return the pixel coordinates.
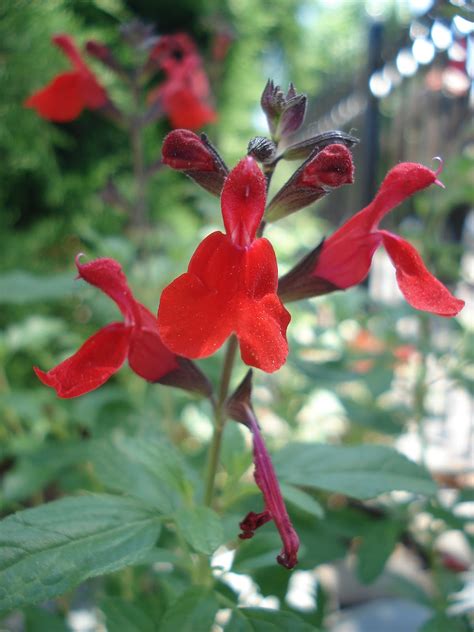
(230, 286)
(345, 258)
(105, 351)
(69, 93)
(184, 94)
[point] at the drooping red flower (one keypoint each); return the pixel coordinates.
(239, 408)
(230, 286)
(105, 351)
(184, 94)
(69, 93)
(344, 259)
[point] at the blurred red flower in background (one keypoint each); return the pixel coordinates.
(69, 93)
(184, 94)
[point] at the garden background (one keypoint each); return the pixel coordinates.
(365, 368)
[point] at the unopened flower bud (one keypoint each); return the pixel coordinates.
(104, 55)
(285, 113)
(303, 149)
(262, 149)
(184, 151)
(318, 175)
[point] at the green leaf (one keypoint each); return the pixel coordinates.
(20, 287)
(201, 527)
(40, 620)
(360, 471)
(121, 615)
(193, 611)
(301, 500)
(148, 468)
(266, 620)
(377, 544)
(443, 623)
(50, 549)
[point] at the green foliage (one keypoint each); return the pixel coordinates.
(201, 528)
(361, 472)
(50, 549)
(259, 620)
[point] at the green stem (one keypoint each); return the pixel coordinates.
(219, 420)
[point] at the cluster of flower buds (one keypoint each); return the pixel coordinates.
(183, 95)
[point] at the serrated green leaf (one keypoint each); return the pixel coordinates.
(302, 500)
(19, 287)
(148, 468)
(193, 611)
(377, 544)
(122, 615)
(266, 620)
(201, 527)
(358, 471)
(52, 548)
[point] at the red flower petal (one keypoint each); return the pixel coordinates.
(226, 289)
(148, 356)
(420, 288)
(243, 202)
(107, 275)
(346, 256)
(61, 100)
(346, 262)
(185, 109)
(66, 44)
(98, 358)
(195, 316)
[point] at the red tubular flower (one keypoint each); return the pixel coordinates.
(64, 98)
(184, 94)
(230, 286)
(344, 259)
(239, 407)
(104, 352)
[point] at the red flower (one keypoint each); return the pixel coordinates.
(64, 98)
(105, 351)
(185, 92)
(345, 257)
(230, 286)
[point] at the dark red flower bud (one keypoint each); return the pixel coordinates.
(104, 55)
(318, 175)
(303, 149)
(285, 113)
(184, 151)
(239, 407)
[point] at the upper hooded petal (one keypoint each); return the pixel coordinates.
(92, 365)
(107, 275)
(243, 202)
(420, 288)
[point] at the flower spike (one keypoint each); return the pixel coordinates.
(230, 285)
(239, 408)
(69, 93)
